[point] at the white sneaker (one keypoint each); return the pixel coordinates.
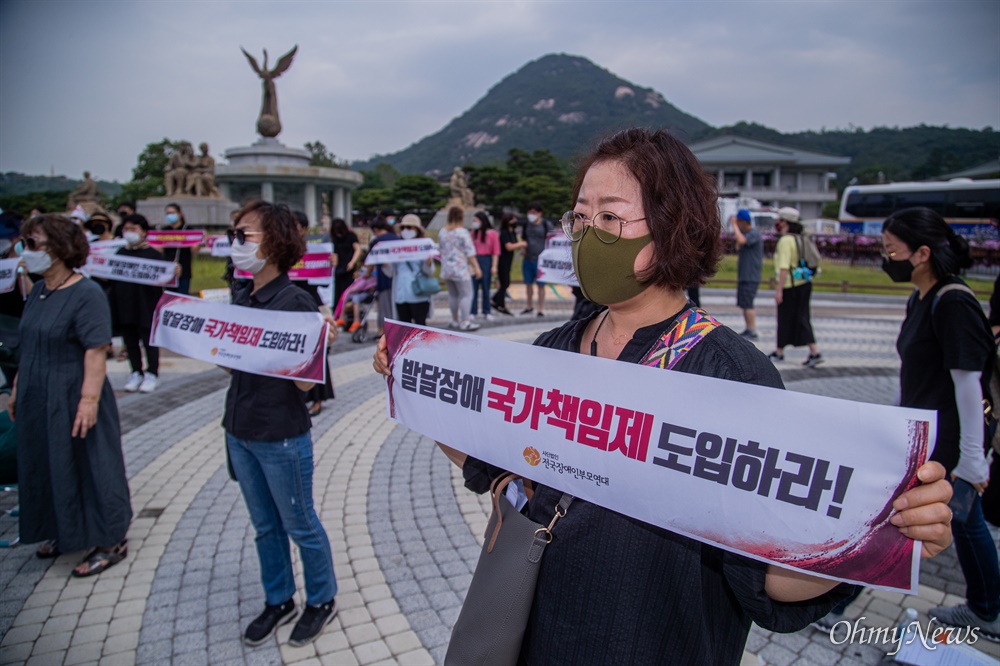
(469, 325)
(149, 383)
(488, 317)
(134, 380)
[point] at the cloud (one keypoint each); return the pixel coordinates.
(93, 82)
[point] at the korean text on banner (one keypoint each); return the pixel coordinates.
(219, 246)
(108, 246)
(288, 345)
(175, 237)
(124, 268)
(8, 274)
(555, 266)
(797, 480)
(396, 251)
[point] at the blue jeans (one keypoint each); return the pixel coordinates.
(276, 481)
(482, 284)
(977, 555)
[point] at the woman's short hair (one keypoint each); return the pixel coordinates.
(136, 219)
(301, 218)
(455, 215)
(338, 227)
(282, 243)
(922, 226)
(66, 240)
(679, 200)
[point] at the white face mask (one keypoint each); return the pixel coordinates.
(132, 237)
(36, 261)
(5, 246)
(532, 218)
(477, 224)
(245, 257)
(408, 234)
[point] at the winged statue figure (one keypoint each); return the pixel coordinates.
(268, 123)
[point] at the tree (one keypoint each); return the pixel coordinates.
(555, 198)
(53, 202)
(382, 176)
(491, 184)
(414, 192)
(537, 163)
(321, 157)
(147, 175)
(370, 201)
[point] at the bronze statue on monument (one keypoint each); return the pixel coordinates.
(268, 124)
(86, 192)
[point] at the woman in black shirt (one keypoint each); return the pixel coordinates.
(268, 438)
(509, 244)
(612, 589)
(179, 255)
(132, 306)
(946, 346)
(347, 251)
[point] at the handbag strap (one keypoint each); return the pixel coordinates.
(497, 489)
(688, 330)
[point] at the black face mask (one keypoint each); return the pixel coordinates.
(899, 270)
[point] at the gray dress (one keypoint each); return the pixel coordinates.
(72, 490)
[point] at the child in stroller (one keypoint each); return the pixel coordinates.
(356, 302)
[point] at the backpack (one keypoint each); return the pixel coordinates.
(808, 266)
(989, 381)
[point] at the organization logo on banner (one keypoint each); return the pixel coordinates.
(773, 476)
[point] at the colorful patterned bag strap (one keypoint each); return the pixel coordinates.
(690, 328)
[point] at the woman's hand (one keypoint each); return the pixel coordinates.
(381, 359)
(777, 296)
(331, 330)
(86, 417)
(923, 513)
(177, 270)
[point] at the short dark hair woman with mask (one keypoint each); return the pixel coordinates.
(645, 226)
(73, 490)
(268, 438)
(182, 256)
(133, 305)
(945, 346)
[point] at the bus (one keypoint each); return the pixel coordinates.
(971, 207)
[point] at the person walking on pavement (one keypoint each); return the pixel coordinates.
(487, 243)
(268, 438)
(945, 347)
(458, 264)
(749, 267)
(534, 234)
(793, 292)
(509, 243)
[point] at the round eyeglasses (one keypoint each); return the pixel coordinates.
(607, 226)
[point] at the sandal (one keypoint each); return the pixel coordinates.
(48, 550)
(100, 560)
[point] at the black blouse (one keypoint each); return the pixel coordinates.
(267, 409)
(616, 590)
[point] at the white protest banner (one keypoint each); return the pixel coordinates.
(313, 266)
(555, 266)
(801, 481)
(8, 274)
(175, 237)
(288, 345)
(396, 251)
(108, 246)
(219, 246)
(124, 268)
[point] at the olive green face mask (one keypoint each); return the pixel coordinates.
(607, 272)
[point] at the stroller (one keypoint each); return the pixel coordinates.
(355, 304)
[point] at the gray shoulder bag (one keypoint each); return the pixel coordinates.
(491, 625)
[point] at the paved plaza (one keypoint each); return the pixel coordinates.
(405, 533)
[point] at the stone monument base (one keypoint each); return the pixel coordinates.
(199, 212)
(440, 219)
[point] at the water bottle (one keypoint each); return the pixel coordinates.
(906, 626)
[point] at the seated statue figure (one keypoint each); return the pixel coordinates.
(87, 191)
(201, 178)
(179, 166)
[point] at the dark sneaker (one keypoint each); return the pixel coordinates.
(527, 311)
(273, 617)
(750, 335)
(311, 624)
(775, 356)
(813, 360)
(501, 309)
(962, 616)
(541, 314)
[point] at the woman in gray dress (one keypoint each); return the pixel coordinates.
(73, 490)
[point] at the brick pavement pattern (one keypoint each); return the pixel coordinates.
(405, 533)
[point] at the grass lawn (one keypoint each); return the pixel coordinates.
(861, 279)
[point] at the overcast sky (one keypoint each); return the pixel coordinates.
(87, 84)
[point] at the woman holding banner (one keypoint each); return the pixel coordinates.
(74, 494)
(946, 346)
(644, 227)
(319, 392)
(179, 255)
(268, 438)
(411, 307)
(133, 305)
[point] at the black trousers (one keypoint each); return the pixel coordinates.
(794, 320)
(413, 313)
(341, 281)
(503, 278)
(132, 335)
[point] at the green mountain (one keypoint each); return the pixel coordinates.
(12, 183)
(558, 103)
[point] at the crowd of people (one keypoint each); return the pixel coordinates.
(644, 230)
